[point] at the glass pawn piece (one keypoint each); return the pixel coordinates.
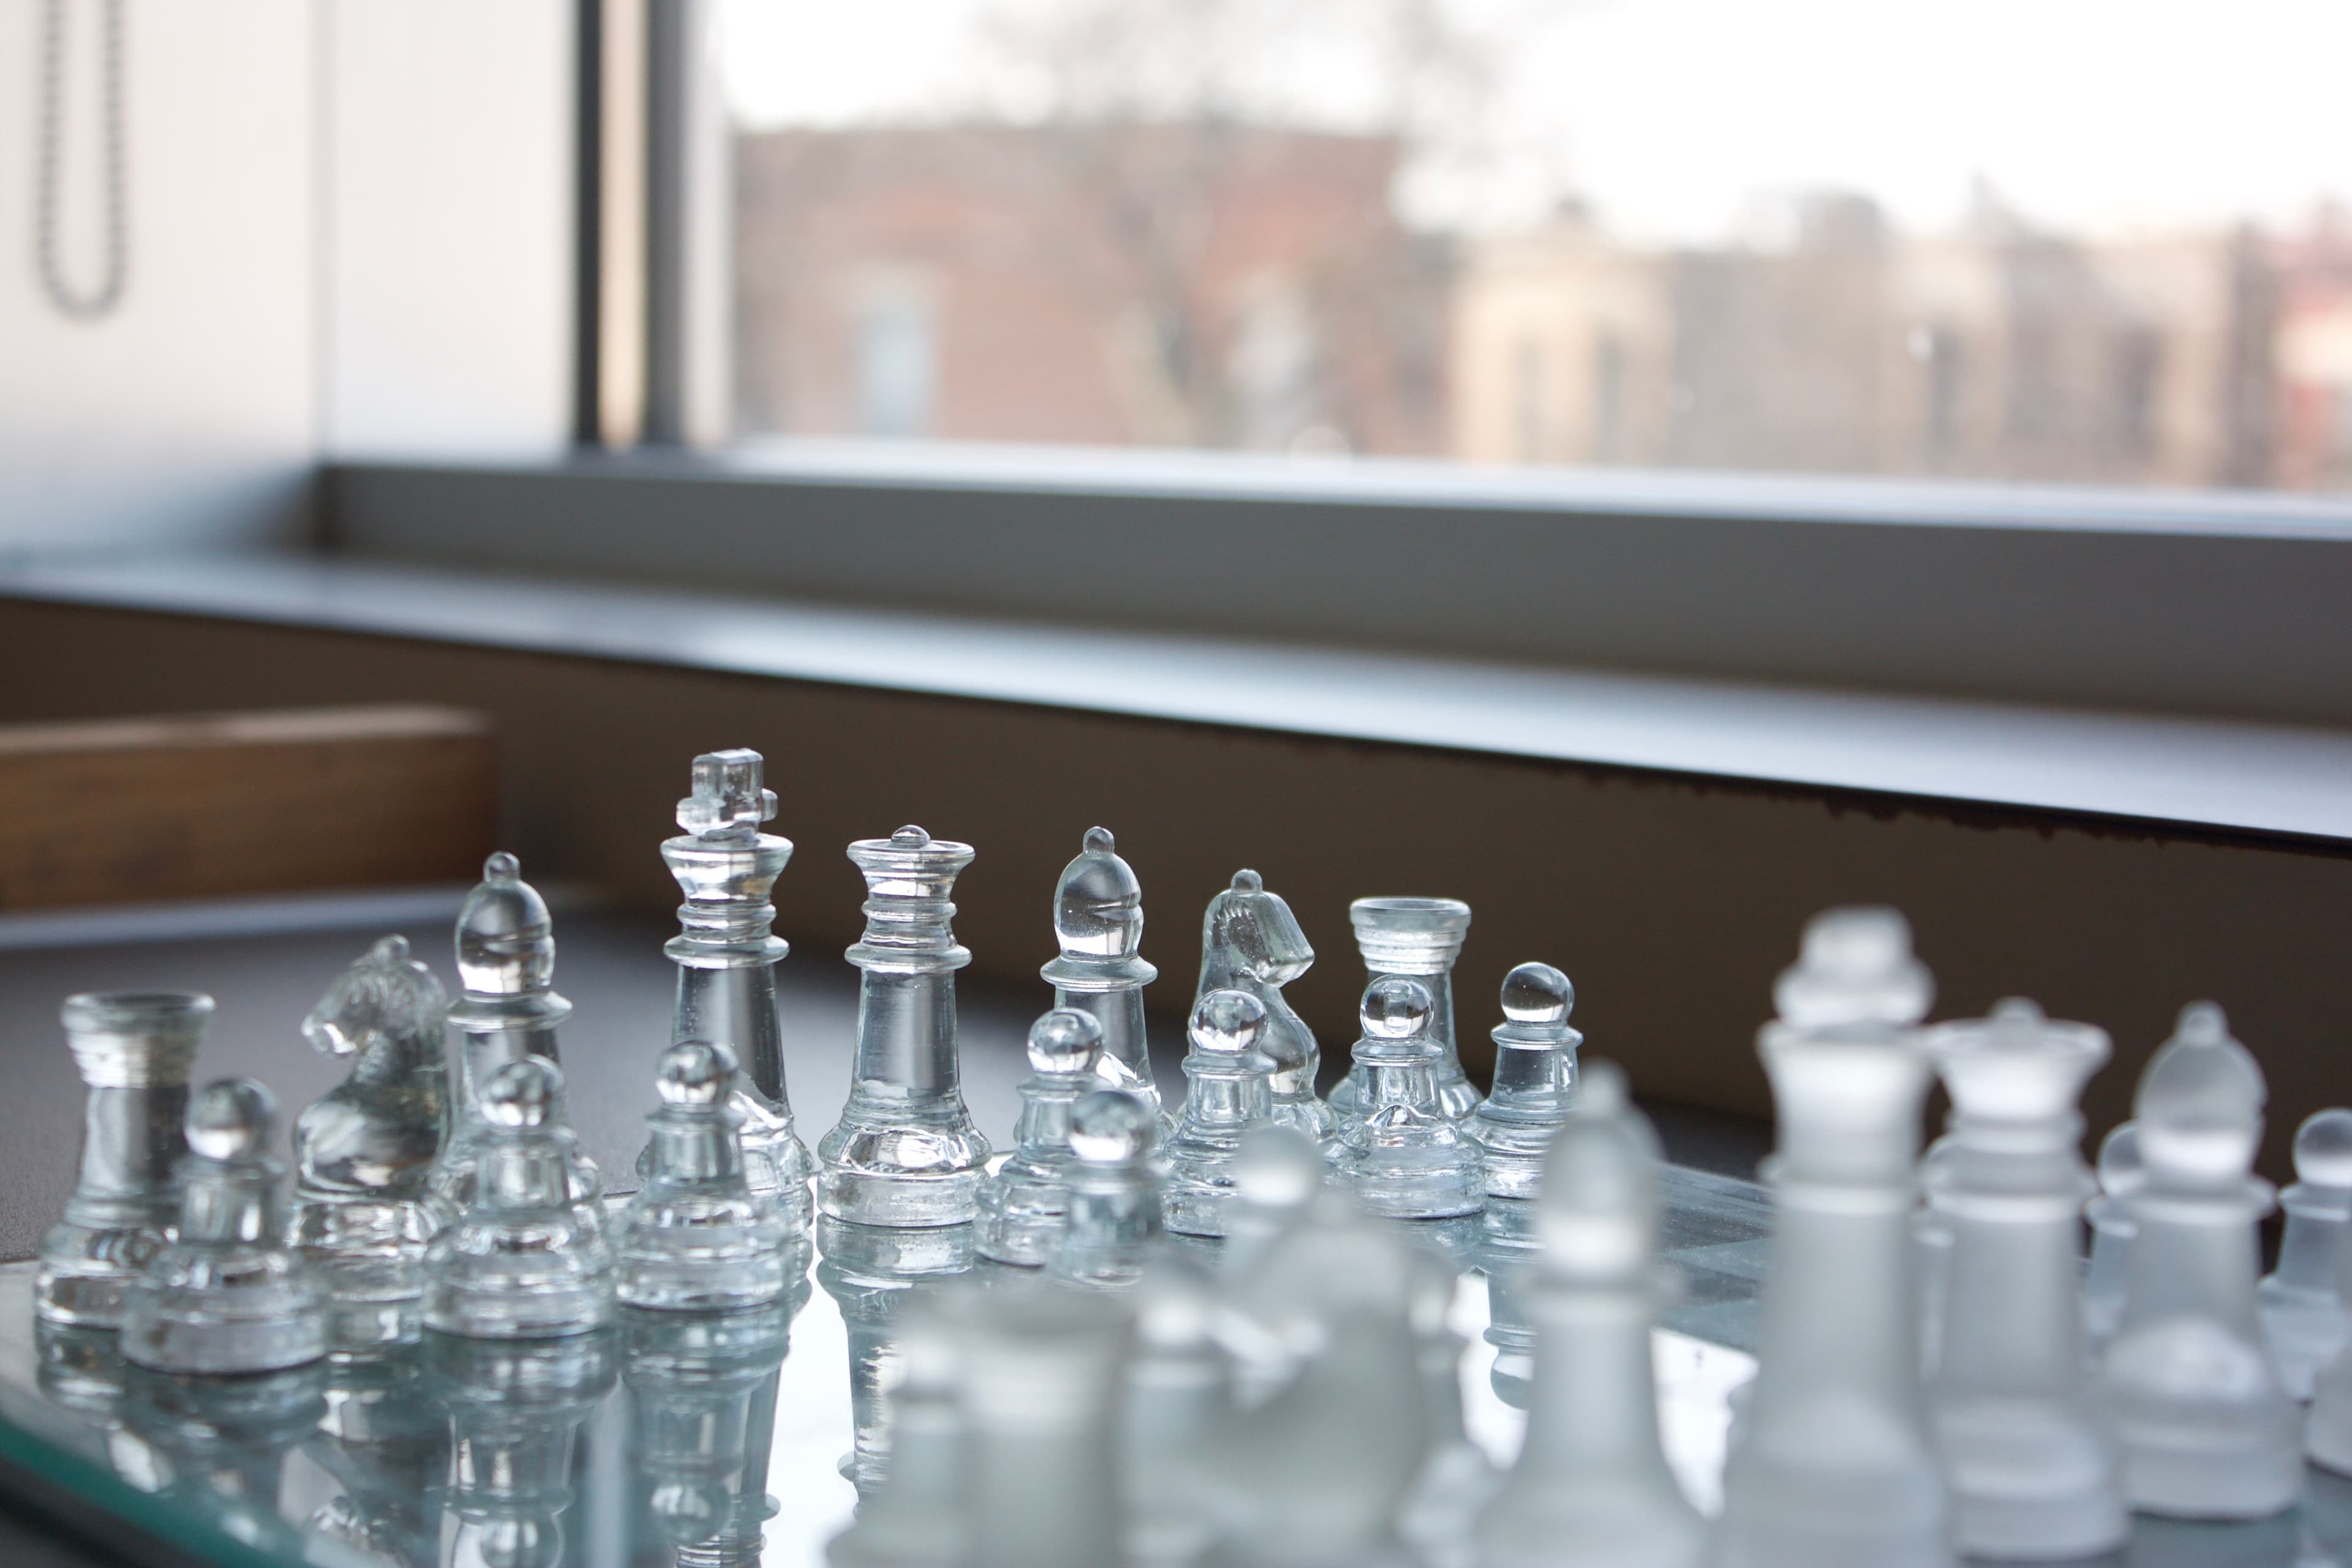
(2034, 1470)
(2303, 1313)
(524, 1260)
(2207, 1431)
(1591, 1487)
(877, 1275)
(515, 1413)
(226, 1295)
(1228, 1094)
(702, 1417)
(1098, 922)
(905, 1152)
(508, 1009)
(133, 1051)
(1834, 1466)
(1416, 938)
(1535, 1080)
(727, 955)
(2120, 1176)
(365, 1150)
(1115, 1222)
(695, 1237)
(1026, 1205)
(1397, 1148)
(918, 1518)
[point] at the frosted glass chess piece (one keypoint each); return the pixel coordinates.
(1227, 1094)
(2034, 1471)
(1834, 1466)
(515, 1412)
(694, 1237)
(524, 1260)
(365, 1150)
(702, 1418)
(727, 955)
(1535, 1080)
(877, 1275)
(506, 1009)
(1455, 1477)
(2207, 1431)
(1179, 1396)
(1025, 1204)
(385, 1439)
(1931, 1248)
(1591, 1487)
(1115, 1220)
(226, 1295)
(918, 1518)
(1396, 1148)
(2120, 1176)
(1277, 1173)
(1098, 922)
(1251, 941)
(905, 1152)
(133, 1051)
(1416, 938)
(2303, 1313)
(218, 1448)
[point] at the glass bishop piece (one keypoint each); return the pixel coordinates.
(905, 1152)
(226, 1295)
(1535, 1080)
(1026, 1205)
(524, 1260)
(2302, 1315)
(1416, 938)
(727, 957)
(1115, 1221)
(694, 1237)
(1251, 941)
(364, 1152)
(1099, 921)
(1228, 1095)
(133, 1051)
(1396, 1148)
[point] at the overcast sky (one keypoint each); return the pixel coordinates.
(1674, 117)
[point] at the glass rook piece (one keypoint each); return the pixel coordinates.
(1416, 938)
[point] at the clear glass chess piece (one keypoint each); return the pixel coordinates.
(1251, 941)
(905, 1152)
(219, 1446)
(1098, 922)
(508, 1009)
(2207, 1432)
(1228, 1093)
(1507, 1252)
(385, 1439)
(226, 1295)
(365, 1150)
(524, 1260)
(1179, 1399)
(2034, 1470)
(1833, 1465)
(516, 1407)
(1115, 1219)
(1591, 1487)
(1535, 1080)
(1416, 938)
(702, 1417)
(1399, 1151)
(876, 1274)
(2120, 1176)
(133, 1051)
(2303, 1313)
(695, 1237)
(727, 955)
(1025, 1204)
(919, 1517)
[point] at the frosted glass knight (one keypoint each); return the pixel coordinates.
(1251, 941)
(1098, 922)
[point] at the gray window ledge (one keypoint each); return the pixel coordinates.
(2238, 777)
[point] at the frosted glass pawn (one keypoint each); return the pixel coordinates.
(695, 1237)
(1832, 1464)
(1025, 1204)
(905, 1152)
(917, 1517)
(2120, 1176)
(1115, 1220)
(2207, 1431)
(524, 1260)
(1251, 941)
(1227, 1094)
(2302, 1312)
(2033, 1469)
(1535, 1080)
(727, 955)
(1416, 938)
(1456, 1477)
(1396, 1149)
(1277, 1171)
(224, 1294)
(1098, 923)
(1591, 1487)
(1179, 1395)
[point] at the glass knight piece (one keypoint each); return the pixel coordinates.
(905, 1152)
(876, 1274)
(524, 1260)
(2120, 1175)
(1227, 1077)
(364, 1152)
(133, 1051)
(225, 1294)
(1251, 941)
(1115, 1221)
(515, 1413)
(1396, 1148)
(1098, 922)
(703, 1425)
(1416, 938)
(1535, 1080)
(508, 1009)
(695, 1237)
(2303, 1314)
(727, 955)
(1025, 1204)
